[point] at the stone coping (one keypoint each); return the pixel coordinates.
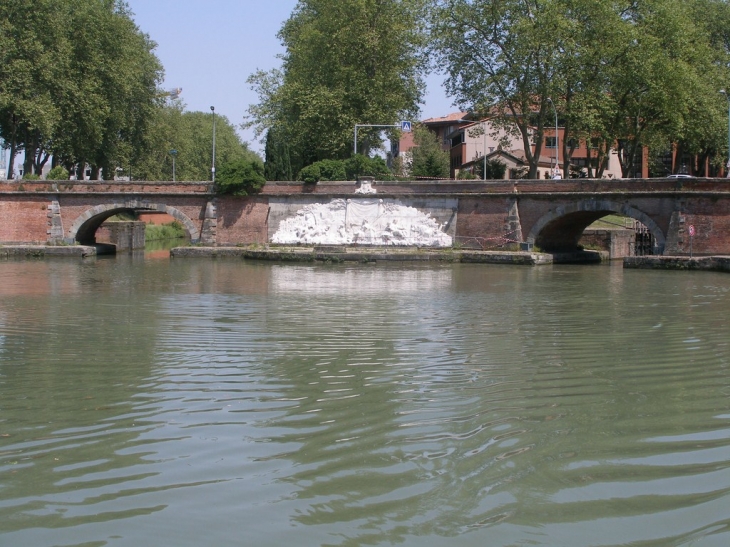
(338, 253)
(42, 251)
(702, 263)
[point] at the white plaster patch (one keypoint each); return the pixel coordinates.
(362, 222)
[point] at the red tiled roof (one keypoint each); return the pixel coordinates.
(453, 117)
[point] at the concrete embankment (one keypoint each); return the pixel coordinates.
(359, 254)
(41, 251)
(703, 263)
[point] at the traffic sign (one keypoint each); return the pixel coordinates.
(691, 230)
(405, 126)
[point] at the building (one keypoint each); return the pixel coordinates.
(472, 142)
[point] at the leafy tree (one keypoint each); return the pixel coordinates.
(501, 58)
(428, 158)
(240, 177)
(77, 81)
(347, 62)
(34, 57)
(277, 160)
(191, 134)
(624, 74)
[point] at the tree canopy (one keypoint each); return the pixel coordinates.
(427, 157)
(346, 62)
(190, 134)
(625, 74)
(78, 81)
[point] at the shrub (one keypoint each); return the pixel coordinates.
(332, 170)
(240, 178)
(58, 173)
(364, 166)
(350, 169)
(310, 174)
(31, 176)
(323, 170)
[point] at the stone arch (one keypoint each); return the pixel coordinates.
(84, 227)
(561, 225)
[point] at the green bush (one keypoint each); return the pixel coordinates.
(332, 170)
(58, 173)
(240, 178)
(349, 169)
(310, 174)
(323, 170)
(364, 166)
(31, 176)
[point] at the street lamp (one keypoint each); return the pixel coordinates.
(728, 132)
(212, 170)
(173, 153)
(557, 162)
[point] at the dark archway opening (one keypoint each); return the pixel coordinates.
(122, 228)
(567, 234)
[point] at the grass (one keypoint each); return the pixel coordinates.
(611, 222)
(158, 232)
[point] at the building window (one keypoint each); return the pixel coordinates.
(550, 142)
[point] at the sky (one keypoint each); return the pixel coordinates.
(209, 48)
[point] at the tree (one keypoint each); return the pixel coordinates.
(428, 158)
(78, 81)
(277, 159)
(191, 134)
(623, 74)
(34, 54)
(347, 62)
(501, 60)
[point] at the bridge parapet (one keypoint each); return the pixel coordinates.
(102, 187)
(446, 186)
(545, 187)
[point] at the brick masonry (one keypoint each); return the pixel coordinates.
(482, 215)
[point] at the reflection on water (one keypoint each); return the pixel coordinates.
(229, 402)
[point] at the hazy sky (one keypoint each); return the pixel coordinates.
(209, 48)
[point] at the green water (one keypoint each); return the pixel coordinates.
(149, 401)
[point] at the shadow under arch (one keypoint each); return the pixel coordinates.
(84, 228)
(560, 229)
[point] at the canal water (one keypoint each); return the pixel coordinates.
(149, 401)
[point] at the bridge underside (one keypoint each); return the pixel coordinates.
(563, 234)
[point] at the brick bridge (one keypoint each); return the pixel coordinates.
(488, 215)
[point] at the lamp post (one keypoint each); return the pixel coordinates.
(212, 170)
(727, 167)
(557, 161)
(173, 153)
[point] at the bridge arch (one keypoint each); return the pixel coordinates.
(84, 228)
(560, 229)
